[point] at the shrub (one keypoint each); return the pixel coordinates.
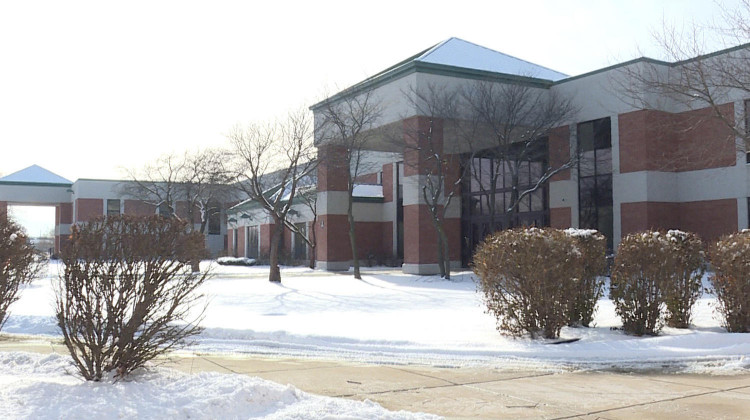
(730, 258)
(643, 266)
(525, 276)
(18, 264)
(126, 292)
(684, 288)
(587, 285)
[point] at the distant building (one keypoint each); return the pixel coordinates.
(86, 199)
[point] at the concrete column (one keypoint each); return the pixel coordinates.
(333, 248)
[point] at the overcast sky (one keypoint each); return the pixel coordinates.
(87, 88)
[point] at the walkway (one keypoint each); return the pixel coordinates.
(465, 393)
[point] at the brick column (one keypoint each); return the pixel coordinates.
(420, 236)
(63, 222)
(3, 209)
(333, 249)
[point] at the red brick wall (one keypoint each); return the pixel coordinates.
(418, 149)
(64, 213)
(559, 151)
(420, 238)
(661, 141)
(452, 229)
(560, 217)
(367, 179)
(370, 239)
(139, 208)
(88, 209)
(710, 219)
(241, 241)
(230, 243)
(332, 169)
(388, 182)
(265, 239)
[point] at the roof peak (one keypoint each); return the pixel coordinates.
(458, 52)
(35, 174)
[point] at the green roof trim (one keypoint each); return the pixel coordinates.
(35, 184)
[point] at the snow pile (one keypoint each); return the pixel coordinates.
(581, 233)
(235, 261)
(37, 387)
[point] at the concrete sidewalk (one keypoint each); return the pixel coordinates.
(463, 393)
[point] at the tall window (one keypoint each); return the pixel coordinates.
(488, 193)
(113, 207)
(300, 246)
(252, 242)
(214, 220)
(595, 177)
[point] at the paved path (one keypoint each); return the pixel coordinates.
(464, 393)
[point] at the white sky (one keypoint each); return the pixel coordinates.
(87, 88)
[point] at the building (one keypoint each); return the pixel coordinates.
(665, 166)
(87, 199)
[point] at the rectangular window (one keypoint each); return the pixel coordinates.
(113, 207)
(252, 241)
(214, 220)
(595, 177)
(300, 246)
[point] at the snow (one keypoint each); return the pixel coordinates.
(390, 317)
(235, 261)
(367, 190)
(35, 174)
(34, 386)
(459, 53)
(580, 233)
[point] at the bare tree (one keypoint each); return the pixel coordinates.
(694, 78)
(348, 122)
(438, 105)
(19, 264)
(271, 161)
(510, 126)
(197, 180)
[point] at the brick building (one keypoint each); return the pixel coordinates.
(668, 166)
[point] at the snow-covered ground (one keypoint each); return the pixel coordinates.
(34, 386)
(389, 317)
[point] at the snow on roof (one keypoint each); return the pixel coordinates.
(35, 174)
(367, 190)
(459, 53)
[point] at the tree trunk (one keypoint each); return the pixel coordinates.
(445, 260)
(312, 257)
(274, 275)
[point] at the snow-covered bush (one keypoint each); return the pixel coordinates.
(588, 284)
(685, 286)
(730, 259)
(526, 278)
(243, 261)
(126, 292)
(18, 264)
(643, 266)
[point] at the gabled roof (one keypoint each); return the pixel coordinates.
(456, 57)
(459, 53)
(35, 174)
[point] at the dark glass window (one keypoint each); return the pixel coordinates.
(300, 246)
(113, 207)
(165, 210)
(595, 177)
(214, 220)
(488, 192)
(252, 242)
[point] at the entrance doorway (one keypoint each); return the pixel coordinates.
(38, 222)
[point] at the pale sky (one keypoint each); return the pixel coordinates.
(87, 88)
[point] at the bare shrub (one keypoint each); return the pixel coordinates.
(686, 284)
(526, 277)
(126, 293)
(588, 285)
(18, 264)
(643, 266)
(730, 258)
